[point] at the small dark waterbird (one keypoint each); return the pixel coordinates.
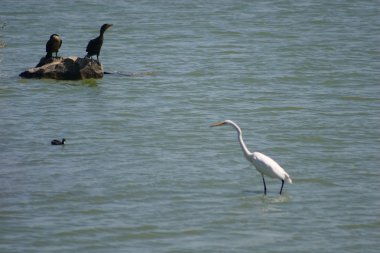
(264, 164)
(94, 45)
(58, 142)
(53, 45)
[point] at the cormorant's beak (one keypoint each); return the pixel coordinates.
(218, 124)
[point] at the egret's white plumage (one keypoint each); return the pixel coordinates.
(264, 164)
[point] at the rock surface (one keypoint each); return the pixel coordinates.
(65, 68)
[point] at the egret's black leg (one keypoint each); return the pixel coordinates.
(282, 186)
(265, 187)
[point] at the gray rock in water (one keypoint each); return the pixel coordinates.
(65, 68)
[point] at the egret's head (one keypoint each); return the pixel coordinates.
(221, 123)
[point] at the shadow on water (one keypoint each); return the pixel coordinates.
(132, 74)
(86, 82)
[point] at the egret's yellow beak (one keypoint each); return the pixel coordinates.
(218, 124)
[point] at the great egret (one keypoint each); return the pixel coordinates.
(264, 164)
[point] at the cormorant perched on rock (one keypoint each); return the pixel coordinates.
(58, 142)
(53, 44)
(94, 46)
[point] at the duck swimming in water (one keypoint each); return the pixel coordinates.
(94, 45)
(53, 45)
(58, 142)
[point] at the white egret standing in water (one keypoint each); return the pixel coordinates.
(264, 164)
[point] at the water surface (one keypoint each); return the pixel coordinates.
(142, 171)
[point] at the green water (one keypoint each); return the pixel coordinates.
(142, 171)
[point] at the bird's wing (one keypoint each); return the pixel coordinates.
(94, 45)
(267, 166)
(90, 45)
(48, 46)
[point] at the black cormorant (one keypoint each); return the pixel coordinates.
(58, 142)
(52, 45)
(94, 46)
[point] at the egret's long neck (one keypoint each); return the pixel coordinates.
(240, 138)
